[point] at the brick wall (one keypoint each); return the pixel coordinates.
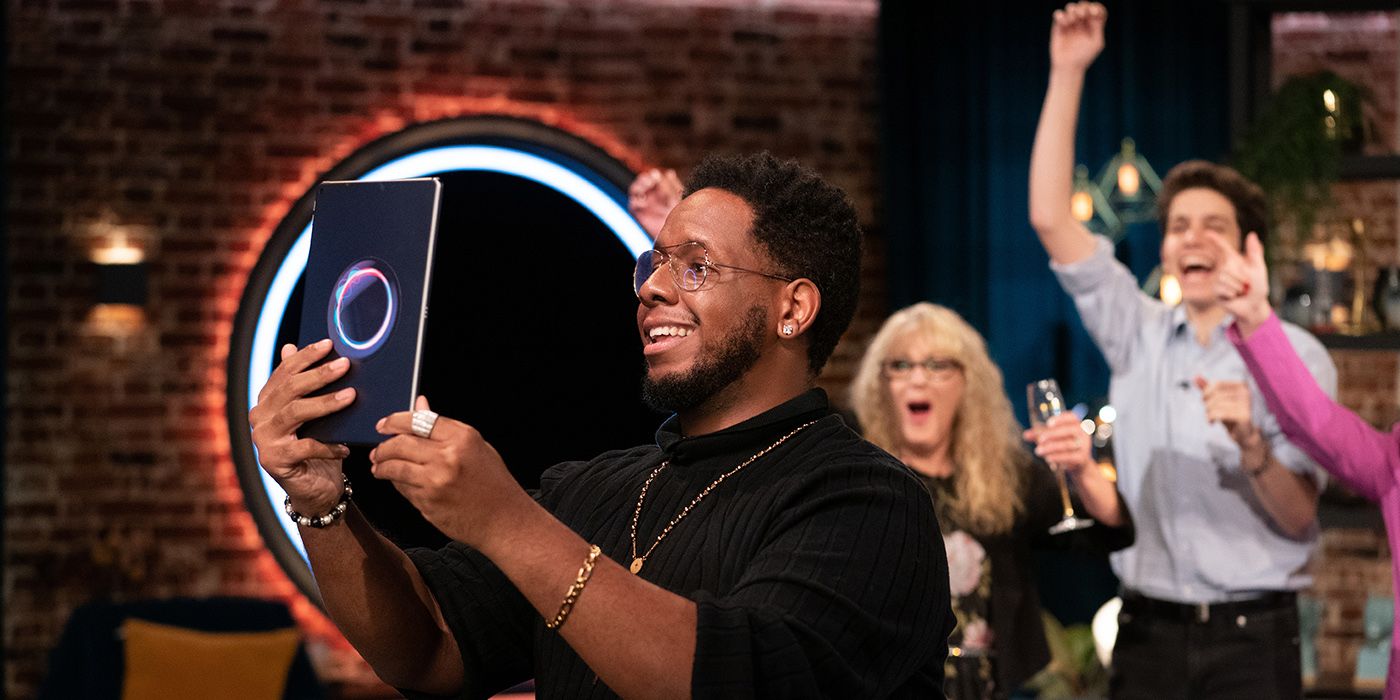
(189, 129)
(1364, 48)
(1361, 46)
(1354, 562)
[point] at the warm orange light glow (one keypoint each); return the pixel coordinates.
(1129, 180)
(1339, 255)
(1170, 291)
(1333, 255)
(119, 251)
(1081, 206)
(116, 319)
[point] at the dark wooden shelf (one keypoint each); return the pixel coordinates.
(1384, 167)
(1366, 516)
(1318, 5)
(1324, 693)
(1387, 340)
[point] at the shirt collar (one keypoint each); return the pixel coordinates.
(756, 431)
(1181, 324)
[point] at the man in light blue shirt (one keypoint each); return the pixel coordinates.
(1205, 534)
(1225, 507)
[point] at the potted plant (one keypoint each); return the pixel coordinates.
(1293, 150)
(1294, 147)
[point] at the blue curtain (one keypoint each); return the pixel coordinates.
(961, 88)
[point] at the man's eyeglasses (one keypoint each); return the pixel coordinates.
(690, 266)
(939, 370)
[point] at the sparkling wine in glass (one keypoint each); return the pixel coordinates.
(1046, 402)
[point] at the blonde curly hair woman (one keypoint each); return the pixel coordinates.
(928, 393)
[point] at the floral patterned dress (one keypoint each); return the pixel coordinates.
(968, 672)
(999, 641)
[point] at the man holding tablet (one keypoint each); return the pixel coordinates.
(759, 548)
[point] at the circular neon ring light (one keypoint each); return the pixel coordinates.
(425, 163)
(388, 312)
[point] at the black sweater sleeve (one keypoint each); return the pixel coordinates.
(491, 620)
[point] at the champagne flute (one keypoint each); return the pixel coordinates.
(1046, 402)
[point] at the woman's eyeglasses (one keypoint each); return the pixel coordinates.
(939, 370)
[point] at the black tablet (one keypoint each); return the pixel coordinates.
(366, 289)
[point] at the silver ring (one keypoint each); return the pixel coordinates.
(423, 422)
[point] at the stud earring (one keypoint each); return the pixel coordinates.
(787, 329)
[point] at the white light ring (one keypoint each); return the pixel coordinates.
(388, 313)
(499, 159)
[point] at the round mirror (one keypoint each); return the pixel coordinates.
(532, 337)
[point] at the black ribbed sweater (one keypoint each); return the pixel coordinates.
(817, 571)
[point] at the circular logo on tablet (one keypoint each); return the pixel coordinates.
(363, 308)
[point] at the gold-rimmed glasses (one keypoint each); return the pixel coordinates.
(690, 266)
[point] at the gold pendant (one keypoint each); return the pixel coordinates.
(636, 565)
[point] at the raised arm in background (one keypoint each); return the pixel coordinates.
(1076, 38)
(652, 196)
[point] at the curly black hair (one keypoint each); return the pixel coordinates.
(805, 225)
(1251, 204)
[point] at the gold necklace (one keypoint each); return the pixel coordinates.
(637, 561)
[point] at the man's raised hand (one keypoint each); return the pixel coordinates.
(1076, 35)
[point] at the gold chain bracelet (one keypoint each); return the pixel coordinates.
(575, 590)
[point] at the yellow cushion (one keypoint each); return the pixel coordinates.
(163, 661)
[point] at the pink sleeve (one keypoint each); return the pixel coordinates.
(1344, 444)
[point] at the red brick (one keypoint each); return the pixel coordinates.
(204, 131)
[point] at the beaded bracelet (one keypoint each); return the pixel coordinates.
(575, 590)
(320, 521)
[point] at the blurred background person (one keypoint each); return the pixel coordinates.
(1364, 458)
(928, 393)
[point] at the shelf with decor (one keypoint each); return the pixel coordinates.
(1385, 340)
(1338, 506)
(1369, 167)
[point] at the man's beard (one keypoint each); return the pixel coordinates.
(737, 353)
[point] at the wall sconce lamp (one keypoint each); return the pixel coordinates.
(119, 314)
(121, 274)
